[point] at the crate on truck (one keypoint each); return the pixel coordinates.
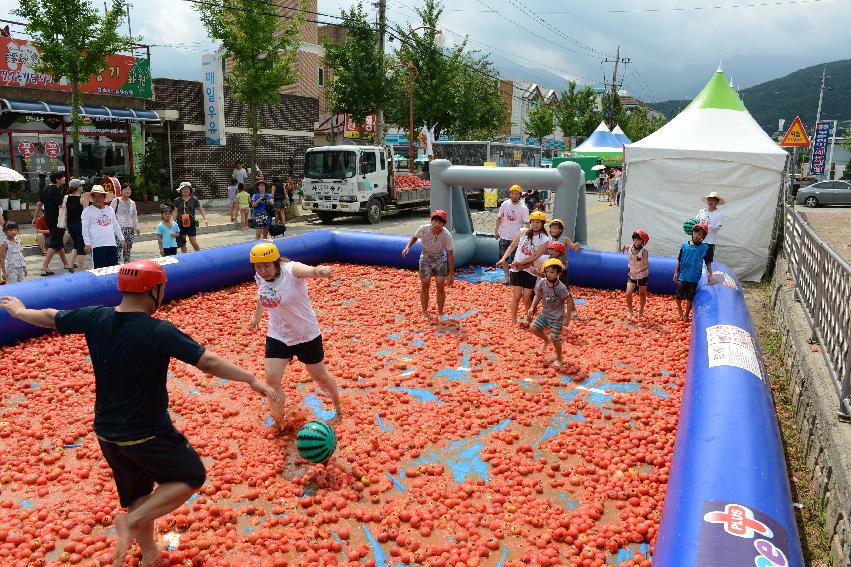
(358, 180)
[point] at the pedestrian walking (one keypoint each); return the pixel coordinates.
(49, 200)
(128, 219)
(512, 216)
(167, 233)
(185, 209)
(100, 230)
(75, 202)
(130, 353)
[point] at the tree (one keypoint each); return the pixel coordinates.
(357, 80)
(612, 108)
(261, 45)
(74, 40)
(455, 91)
(847, 173)
(576, 113)
(639, 123)
(540, 123)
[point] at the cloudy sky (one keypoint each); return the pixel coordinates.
(674, 45)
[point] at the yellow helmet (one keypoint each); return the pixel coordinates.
(538, 215)
(264, 252)
(515, 188)
(553, 262)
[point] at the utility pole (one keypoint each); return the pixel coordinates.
(382, 28)
(615, 84)
(824, 78)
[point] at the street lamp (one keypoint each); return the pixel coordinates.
(413, 73)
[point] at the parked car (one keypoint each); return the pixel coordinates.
(825, 193)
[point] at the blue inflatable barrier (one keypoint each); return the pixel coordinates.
(728, 500)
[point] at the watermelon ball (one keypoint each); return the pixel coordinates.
(689, 224)
(316, 441)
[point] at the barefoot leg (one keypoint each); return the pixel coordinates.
(275, 368)
(125, 540)
(319, 373)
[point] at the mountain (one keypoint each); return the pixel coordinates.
(796, 94)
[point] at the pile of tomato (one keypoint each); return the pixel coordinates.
(460, 444)
(410, 181)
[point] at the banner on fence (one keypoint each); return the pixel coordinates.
(819, 159)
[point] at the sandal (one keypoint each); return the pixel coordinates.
(47, 273)
(70, 269)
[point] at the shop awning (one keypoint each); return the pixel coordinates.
(40, 107)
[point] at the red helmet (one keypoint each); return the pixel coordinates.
(702, 226)
(140, 276)
(642, 234)
(440, 214)
(557, 246)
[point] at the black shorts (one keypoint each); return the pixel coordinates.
(523, 279)
(640, 282)
(188, 230)
(171, 251)
(168, 457)
(686, 290)
(56, 238)
(710, 253)
(310, 352)
(503, 246)
(76, 233)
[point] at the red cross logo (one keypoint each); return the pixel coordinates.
(739, 521)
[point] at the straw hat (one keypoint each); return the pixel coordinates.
(715, 195)
(97, 189)
(184, 184)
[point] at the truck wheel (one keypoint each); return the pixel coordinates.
(325, 217)
(373, 211)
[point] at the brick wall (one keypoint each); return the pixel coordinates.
(208, 167)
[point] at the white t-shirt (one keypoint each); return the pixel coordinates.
(434, 246)
(291, 318)
(527, 247)
(514, 216)
(100, 227)
(714, 219)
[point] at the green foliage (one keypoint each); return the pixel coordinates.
(541, 122)
(612, 108)
(261, 47)
(639, 123)
(576, 113)
(454, 91)
(847, 173)
(356, 86)
(74, 39)
(4, 189)
(147, 179)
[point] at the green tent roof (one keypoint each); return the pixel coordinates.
(717, 94)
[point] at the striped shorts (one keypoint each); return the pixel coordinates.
(541, 322)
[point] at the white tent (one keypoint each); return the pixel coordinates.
(712, 145)
(620, 135)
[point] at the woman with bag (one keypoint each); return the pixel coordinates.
(184, 212)
(261, 204)
(72, 212)
(128, 218)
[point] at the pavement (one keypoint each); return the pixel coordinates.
(602, 231)
(831, 223)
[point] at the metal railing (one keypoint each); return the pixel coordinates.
(822, 281)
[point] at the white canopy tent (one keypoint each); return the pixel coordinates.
(712, 145)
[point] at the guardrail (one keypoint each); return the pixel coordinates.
(823, 286)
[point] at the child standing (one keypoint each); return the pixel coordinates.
(558, 251)
(530, 244)
(12, 263)
(233, 189)
(293, 328)
(552, 293)
(689, 263)
(244, 201)
(639, 271)
(437, 260)
(167, 233)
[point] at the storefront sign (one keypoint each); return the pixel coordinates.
(124, 75)
(819, 159)
(352, 129)
(26, 148)
(213, 99)
(112, 187)
(52, 149)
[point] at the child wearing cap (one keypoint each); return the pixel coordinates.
(529, 244)
(437, 260)
(512, 216)
(552, 294)
(639, 271)
(689, 264)
(713, 219)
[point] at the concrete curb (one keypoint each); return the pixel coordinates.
(148, 236)
(826, 439)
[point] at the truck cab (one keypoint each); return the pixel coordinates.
(349, 180)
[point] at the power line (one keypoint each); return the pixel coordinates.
(718, 7)
(274, 14)
(522, 7)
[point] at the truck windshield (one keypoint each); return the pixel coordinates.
(330, 165)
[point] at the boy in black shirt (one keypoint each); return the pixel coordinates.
(130, 352)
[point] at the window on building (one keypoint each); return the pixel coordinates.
(321, 77)
(367, 162)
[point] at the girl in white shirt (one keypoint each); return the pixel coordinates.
(530, 244)
(293, 327)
